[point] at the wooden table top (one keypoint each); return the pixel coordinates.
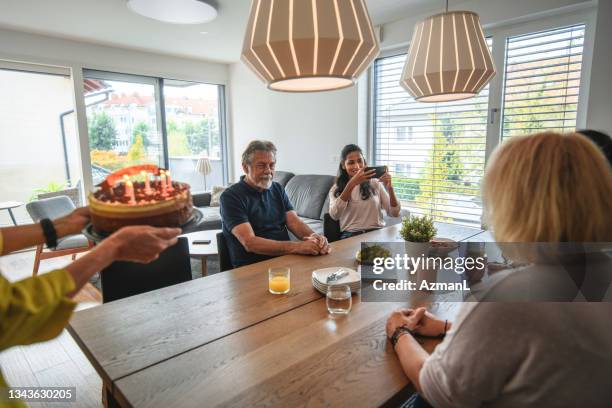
(202, 250)
(225, 339)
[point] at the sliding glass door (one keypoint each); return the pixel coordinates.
(39, 147)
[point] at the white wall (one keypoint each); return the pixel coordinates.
(599, 115)
(26, 47)
(492, 13)
(309, 130)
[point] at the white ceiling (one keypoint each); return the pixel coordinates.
(110, 22)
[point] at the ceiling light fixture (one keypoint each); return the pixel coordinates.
(309, 45)
(175, 11)
(448, 58)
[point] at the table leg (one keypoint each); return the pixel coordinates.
(204, 267)
(108, 400)
(12, 216)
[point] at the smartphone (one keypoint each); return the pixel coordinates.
(201, 242)
(380, 170)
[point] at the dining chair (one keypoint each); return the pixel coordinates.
(331, 228)
(225, 262)
(53, 208)
(124, 279)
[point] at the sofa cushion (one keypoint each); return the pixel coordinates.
(215, 195)
(211, 219)
(282, 177)
(315, 225)
(307, 194)
(201, 199)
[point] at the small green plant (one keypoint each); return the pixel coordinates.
(52, 187)
(418, 229)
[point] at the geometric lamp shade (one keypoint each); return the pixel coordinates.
(309, 45)
(448, 58)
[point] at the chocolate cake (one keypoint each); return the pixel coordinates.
(119, 201)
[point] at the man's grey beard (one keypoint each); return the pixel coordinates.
(265, 184)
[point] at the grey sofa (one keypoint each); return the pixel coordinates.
(307, 193)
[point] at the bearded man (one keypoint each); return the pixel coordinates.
(257, 214)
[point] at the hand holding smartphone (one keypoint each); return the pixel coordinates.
(380, 170)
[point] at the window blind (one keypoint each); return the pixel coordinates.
(542, 81)
(437, 169)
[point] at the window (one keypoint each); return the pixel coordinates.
(194, 131)
(120, 111)
(446, 152)
(542, 81)
(403, 169)
(403, 133)
(125, 114)
(39, 144)
(447, 147)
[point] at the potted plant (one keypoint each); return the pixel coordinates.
(418, 231)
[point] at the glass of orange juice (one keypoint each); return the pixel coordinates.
(279, 280)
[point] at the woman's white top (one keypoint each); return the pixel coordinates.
(517, 354)
(357, 214)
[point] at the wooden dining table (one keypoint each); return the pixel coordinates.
(225, 340)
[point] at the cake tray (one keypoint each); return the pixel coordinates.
(95, 236)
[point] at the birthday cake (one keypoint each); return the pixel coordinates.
(140, 195)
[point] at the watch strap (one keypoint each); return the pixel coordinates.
(49, 232)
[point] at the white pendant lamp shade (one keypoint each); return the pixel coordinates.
(448, 58)
(309, 45)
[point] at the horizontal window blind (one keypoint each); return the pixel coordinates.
(438, 166)
(542, 81)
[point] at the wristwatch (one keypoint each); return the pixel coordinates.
(399, 332)
(49, 232)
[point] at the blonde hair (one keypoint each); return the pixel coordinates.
(549, 187)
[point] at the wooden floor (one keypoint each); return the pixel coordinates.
(58, 362)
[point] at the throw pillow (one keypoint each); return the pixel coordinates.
(215, 195)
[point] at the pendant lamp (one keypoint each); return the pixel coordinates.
(448, 58)
(309, 45)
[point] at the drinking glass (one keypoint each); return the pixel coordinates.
(339, 299)
(279, 280)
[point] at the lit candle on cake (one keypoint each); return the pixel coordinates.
(146, 181)
(129, 191)
(169, 181)
(162, 177)
(126, 180)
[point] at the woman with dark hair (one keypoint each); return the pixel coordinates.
(356, 199)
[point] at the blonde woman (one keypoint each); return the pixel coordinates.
(546, 187)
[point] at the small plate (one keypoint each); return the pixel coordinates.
(90, 232)
(323, 288)
(320, 275)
